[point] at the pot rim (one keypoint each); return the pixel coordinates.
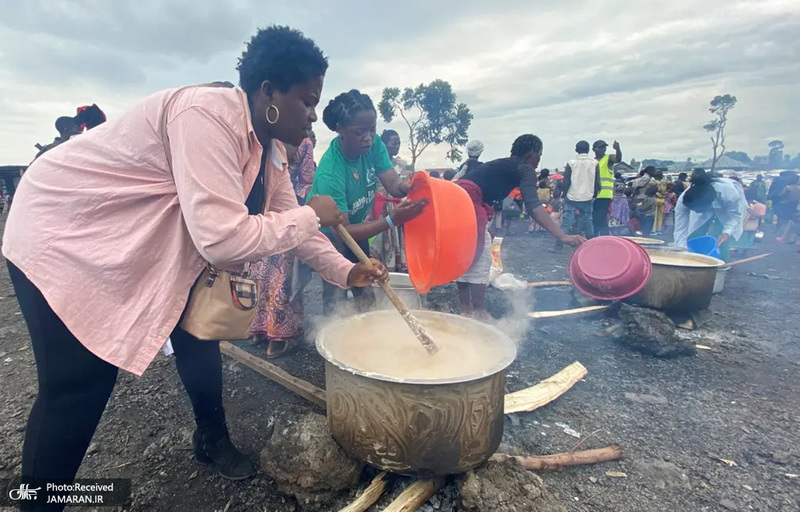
(714, 263)
(496, 334)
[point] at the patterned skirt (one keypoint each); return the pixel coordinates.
(277, 316)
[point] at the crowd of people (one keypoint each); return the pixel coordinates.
(111, 229)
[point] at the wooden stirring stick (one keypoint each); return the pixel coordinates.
(746, 260)
(419, 331)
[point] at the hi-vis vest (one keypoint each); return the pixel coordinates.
(606, 179)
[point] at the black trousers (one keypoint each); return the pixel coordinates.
(600, 216)
(74, 386)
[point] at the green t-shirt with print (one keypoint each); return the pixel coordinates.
(351, 183)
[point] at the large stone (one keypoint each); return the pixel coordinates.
(505, 487)
(651, 332)
(305, 461)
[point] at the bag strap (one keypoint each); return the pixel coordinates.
(168, 149)
(165, 115)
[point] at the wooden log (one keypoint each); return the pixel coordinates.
(545, 284)
(414, 496)
(562, 460)
(546, 391)
(746, 260)
(370, 495)
(543, 315)
(419, 331)
(305, 389)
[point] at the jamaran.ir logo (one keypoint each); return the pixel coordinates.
(23, 493)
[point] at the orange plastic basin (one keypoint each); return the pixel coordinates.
(440, 243)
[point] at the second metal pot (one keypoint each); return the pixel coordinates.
(681, 281)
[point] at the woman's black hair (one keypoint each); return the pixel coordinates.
(545, 173)
(343, 108)
(525, 144)
(281, 55)
(700, 194)
(387, 134)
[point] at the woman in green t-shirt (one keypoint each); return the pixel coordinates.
(349, 172)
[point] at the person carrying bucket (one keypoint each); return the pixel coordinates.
(710, 206)
(493, 181)
(349, 172)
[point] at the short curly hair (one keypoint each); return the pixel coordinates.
(344, 107)
(525, 144)
(388, 134)
(281, 55)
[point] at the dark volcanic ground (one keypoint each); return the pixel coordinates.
(675, 418)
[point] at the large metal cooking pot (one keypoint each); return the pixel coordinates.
(417, 427)
(681, 281)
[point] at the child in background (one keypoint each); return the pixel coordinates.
(670, 200)
(555, 207)
(620, 209)
(544, 191)
(646, 210)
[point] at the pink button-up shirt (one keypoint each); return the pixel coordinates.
(114, 239)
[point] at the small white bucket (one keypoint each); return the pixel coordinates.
(719, 282)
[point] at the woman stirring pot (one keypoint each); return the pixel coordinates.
(349, 172)
(106, 240)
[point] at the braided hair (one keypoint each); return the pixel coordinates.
(526, 144)
(343, 108)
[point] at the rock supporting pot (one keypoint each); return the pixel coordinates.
(421, 427)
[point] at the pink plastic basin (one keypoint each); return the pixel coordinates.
(609, 268)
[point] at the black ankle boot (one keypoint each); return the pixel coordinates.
(229, 462)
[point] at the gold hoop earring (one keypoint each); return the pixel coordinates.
(277, 114)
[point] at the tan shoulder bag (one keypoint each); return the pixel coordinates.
(222, 304)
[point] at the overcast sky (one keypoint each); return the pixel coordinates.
(638, 72)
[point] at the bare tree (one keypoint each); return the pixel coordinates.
(720, 106)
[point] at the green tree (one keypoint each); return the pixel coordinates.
(432, 114)
(719, 106)
(776, 154)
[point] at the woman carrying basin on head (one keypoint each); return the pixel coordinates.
(109, 233)
(349, 172)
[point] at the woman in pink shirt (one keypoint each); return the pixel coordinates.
(106, 239)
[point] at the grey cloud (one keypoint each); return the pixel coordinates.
(563, 69)
(179, 28)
